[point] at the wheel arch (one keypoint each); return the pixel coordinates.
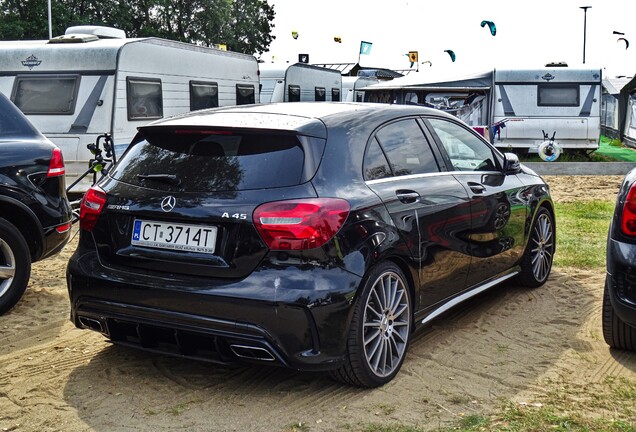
(23, 218)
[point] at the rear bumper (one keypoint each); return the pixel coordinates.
(293, 317)
(621, 271)
(54, 241)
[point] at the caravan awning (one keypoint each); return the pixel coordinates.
(425, 80)
(623, 105)
(613, 86)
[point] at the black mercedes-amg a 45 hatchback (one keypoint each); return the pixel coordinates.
(35, 214)
(316, 236)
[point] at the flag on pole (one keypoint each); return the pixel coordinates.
(365, 47)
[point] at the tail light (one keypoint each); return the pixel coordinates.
(300, 224)
(91, 207)
(628, 221)
(56, 166)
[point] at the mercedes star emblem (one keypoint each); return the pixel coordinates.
(168, 203)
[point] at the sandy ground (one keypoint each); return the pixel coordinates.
(504, 345)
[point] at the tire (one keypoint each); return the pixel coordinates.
(616, 333)
(382, 317)
(536, 262)
(15, 265)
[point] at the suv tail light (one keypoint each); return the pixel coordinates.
(56, 166)
(91, 207)
(628, 221)
(300, 224)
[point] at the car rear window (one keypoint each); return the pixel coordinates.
(13, 124)
(216, 161)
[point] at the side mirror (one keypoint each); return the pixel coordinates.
(511, 164)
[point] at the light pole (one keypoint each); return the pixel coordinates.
(585, 8)
(50, 20)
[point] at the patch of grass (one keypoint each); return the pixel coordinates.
(609, 150)
(582, 233)
(570, 157)
(178, 409)
(297, 427)
(502, 348)
(458, 399)
(389, 428)
(385, 409)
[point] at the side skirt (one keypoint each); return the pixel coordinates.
(441, 308)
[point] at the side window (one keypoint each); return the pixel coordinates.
(375, 165)
(294, 93)
(321, 94)
(245, 94)
(465, 150)
(52, 94)
(335, 95)
(144, 98)
(203, 95)
(406, 148)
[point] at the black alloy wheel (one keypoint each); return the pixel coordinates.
(380, 330)
(536, 262)
(15, 265)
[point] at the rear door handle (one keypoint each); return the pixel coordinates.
(476, 187)
(407, 196)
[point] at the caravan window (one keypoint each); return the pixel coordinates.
(203, 95)
(321, 94)
(294, 93)
(245, 94)
(335, 95)
(144, 98)
(46, 94)
(555, 95)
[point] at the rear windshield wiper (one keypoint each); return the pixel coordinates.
(166, 178)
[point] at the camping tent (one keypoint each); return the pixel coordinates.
(609, 106)
(627, 113)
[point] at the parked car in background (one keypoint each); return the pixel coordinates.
(35, 215)
(311, 236)
(619, 297)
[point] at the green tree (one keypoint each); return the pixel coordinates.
(250, 27)
(243, 25)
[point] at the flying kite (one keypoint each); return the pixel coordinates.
(491, 26)
(451, 53)
(337, 39)
(626, 42)
(295, 34)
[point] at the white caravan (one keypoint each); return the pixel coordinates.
(512, 107)
(561, 101)
(352, 88)
(299, 82)
(93, 81)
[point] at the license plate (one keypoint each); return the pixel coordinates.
(182, 237)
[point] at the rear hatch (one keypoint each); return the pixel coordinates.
(181, 199)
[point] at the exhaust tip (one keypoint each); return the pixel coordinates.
(91, 324)
(252, 353)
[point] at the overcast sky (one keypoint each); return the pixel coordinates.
(529, 33)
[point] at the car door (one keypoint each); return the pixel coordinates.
(429, 208)
(498, 211)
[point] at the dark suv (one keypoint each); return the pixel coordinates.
(308, 235)
(619, 298)
(35, 215)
